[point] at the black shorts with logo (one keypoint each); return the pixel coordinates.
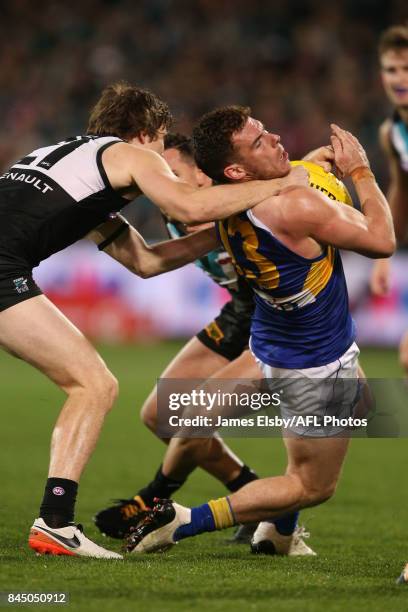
(228, 334)
(17, 288)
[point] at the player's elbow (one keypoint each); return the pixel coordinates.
(386, 247)
(144, 269)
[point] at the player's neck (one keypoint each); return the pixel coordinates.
(403, 113)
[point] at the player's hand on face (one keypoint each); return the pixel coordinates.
(297, 177)
(380, 281)
(323, 156)
(348, 152)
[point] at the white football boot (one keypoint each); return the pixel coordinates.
(69, 540)
(155, 533)
(267, 540)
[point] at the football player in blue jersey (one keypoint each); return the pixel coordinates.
(287, 249)
(393, 53)
(220, 351)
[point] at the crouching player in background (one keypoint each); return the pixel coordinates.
(219, 351)
(286, 248)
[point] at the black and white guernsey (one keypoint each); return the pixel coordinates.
(51, 198)
(399, 140)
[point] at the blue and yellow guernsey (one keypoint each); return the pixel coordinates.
(301, 317)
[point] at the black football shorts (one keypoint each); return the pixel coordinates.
(228, 334)
(17, 288)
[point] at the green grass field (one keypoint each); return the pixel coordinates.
(360, 535)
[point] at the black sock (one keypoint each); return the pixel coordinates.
(161, 486)
(245, 476)
(57, 508)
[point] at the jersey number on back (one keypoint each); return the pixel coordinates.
(62, 149)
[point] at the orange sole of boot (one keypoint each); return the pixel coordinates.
(43, 545)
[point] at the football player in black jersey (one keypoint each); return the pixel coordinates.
(49, 199)
(393, 54)
(393, 133)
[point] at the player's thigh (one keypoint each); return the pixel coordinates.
(195, 360)
(37, 332)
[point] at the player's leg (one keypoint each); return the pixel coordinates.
(314, 467)
(212, 454)
(37, 332)
(314, 463)
(195, 360)
(403, 352)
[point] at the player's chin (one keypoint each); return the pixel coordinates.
(285, 166)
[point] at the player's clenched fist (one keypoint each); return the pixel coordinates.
(348, 152)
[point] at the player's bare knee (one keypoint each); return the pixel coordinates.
(403, 353)
(110, 389)
(103, 388)
(148, 415)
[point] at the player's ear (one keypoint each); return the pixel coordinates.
(143, 138)
(235, 172)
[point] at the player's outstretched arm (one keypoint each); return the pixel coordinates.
(122, 242)
(310, 213)
(127, 165)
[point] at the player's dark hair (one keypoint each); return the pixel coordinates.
(212, 139)
(394, 38)
(184, 144)
(126, 111)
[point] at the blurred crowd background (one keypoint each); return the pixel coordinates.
(300, 64)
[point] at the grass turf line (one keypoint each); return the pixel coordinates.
(360, 535)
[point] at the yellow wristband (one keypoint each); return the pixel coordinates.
(361, 172)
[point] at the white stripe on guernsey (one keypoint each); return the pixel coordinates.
(400, 144)
(77, 173)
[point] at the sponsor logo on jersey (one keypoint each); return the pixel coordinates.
(20, 284)
(29, 179)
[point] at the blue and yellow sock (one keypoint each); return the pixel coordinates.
(217, 514)
(286, 524)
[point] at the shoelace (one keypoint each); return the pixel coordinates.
(300, 533)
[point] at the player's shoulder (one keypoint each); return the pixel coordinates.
(294, 207)
(301, 200)
(126, 155)
(131, 151)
